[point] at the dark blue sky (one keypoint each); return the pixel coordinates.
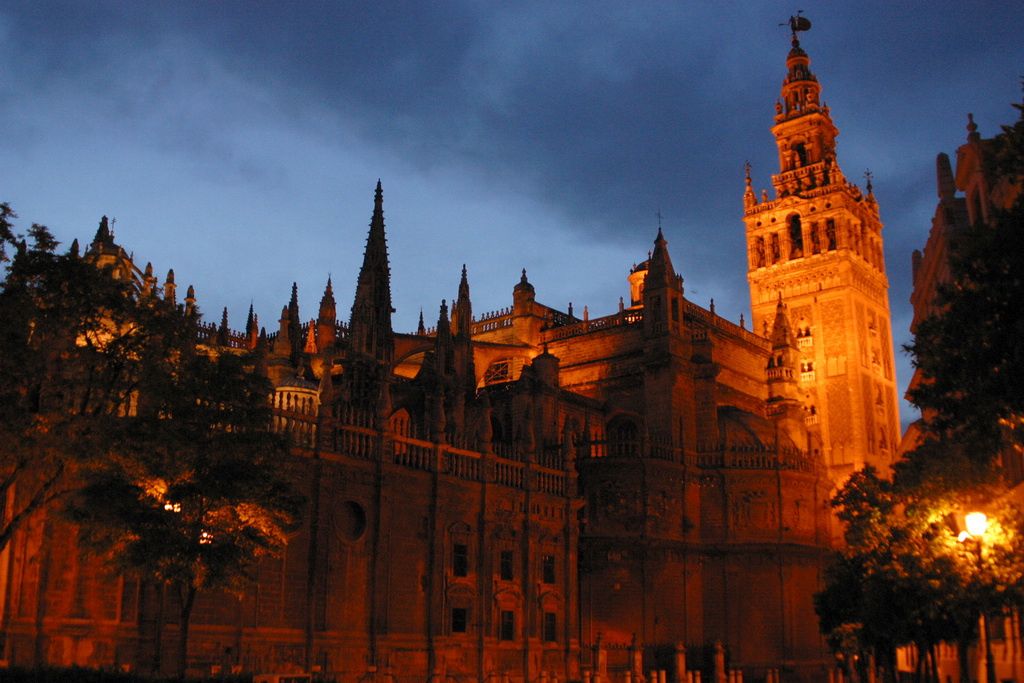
(239, 142)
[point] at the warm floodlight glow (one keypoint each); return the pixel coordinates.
(977, 522)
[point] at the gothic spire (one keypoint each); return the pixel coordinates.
(659, 270)
(249, 321)
(327, 303)
(327, 318)
(224, 332)
(462, 310)
(370, 331)
(103, 233)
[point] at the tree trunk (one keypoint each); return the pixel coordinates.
(188, 598)
(889, 664)
(962, 651)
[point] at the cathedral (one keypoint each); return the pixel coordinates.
(527, 495)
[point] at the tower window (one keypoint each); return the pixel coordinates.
(507, 627)
(506, 567)
(550, 627)
(460, 559)
(547, 564)
(801, 153)
(796, 237)
(460, 619)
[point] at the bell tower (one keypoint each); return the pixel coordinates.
(817, 248)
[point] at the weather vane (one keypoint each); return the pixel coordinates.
(658, 214)
(798, 23)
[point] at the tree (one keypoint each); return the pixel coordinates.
(193, 490)
(72, 342)
(971, 354)
(904, 578)
(160, 450)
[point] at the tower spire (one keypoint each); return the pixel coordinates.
(819, 245)
(370, 331)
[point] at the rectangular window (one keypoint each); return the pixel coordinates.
(460, 617)
(508, 625)
(506, 569)
(460, 559)
(547, 565)
(550, 627)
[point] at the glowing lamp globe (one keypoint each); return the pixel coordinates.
(977, 522)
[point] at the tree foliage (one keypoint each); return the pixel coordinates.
(906, 576)
(73, 341)
(160, 451)
(192, 491)
(971, 354)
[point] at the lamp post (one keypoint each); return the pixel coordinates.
(977, 524)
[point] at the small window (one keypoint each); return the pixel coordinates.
(460, 617)
(547, 565)
(460, 559)
(550, 627)
(506, 568)
(508, 625)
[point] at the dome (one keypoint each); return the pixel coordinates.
(298, 383)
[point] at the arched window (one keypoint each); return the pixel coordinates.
(623, 438)
(801, 153)
(796, 237)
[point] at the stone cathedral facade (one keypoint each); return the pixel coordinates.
(527, 495)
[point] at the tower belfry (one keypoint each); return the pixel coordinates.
(817, 247)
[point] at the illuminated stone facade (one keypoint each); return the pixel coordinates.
(533, 495)
(817, 246)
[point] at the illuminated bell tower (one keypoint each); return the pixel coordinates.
(817, 247)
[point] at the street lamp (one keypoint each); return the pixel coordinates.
(977, 524)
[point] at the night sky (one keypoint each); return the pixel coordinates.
(239, 143)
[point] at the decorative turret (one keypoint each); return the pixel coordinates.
(283, 343)
(749, 198)
(462, 315)
(170, 289)
(250, 321)
(327, 318)
(462, 309)
(444, 357)
(224, 332)
(782, 366)
(104, 236)
(662, 291)
(311, 345)
(294, 326)
(190, 299)
(148, 281)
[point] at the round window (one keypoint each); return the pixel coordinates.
(350, 521)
